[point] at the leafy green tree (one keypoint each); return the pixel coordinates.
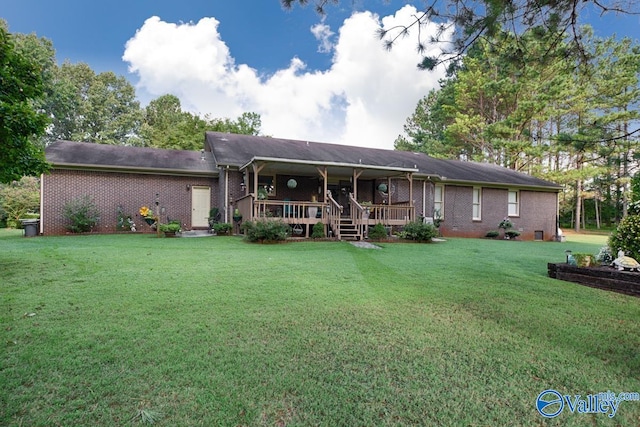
(103, 107)
(20, 121)
(20, 197)
(165, 125)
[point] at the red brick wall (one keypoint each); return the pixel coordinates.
(537, 212)
(111, 190)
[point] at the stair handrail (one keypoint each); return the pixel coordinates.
(335, 211)
(357, 215)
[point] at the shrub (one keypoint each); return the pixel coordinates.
(419, 231)
(82, 213)
(318, 231)
(265, 230)
(171, 227)
(492, 234)
(626, 237)
(222, 228)
(511, 234)
(378, 232)
(505, 224)
(214, 217)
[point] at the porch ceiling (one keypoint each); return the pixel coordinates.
(278, 167)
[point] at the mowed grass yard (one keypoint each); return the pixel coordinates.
(118, 330)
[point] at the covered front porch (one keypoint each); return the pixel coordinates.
(346, 198)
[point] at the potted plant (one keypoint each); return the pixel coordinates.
(214, 217)
(147, 214)
(170, 229)
(263, 194)
(222, 228)
(583, 259)
(237, 216)
(366, 212)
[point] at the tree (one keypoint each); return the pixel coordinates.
(426, 127)
(19, 198)
(165, 125)
(566, 121)
(96, 107)
(20, 121)
(473, 20)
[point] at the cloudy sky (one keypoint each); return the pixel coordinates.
(310, 78)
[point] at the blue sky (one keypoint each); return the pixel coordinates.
(226, 57)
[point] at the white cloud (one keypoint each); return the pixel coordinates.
(363, 99)
(323, 34)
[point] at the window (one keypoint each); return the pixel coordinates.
(438, 201)
(477, 204)
(514, 203)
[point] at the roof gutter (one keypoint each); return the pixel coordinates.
(145, 171)
(323, 163)
(554, 188)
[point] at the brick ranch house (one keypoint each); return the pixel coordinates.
(346, 188)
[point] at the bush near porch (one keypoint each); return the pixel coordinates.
(97, 330)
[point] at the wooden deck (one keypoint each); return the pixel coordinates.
(306, 214)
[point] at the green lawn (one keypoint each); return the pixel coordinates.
(114, 330)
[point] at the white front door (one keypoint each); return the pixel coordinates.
(200, 205)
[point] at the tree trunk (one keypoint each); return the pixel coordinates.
(578, 205)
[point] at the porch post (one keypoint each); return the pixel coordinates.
(256, 170)
(323, 174)
(356, 175)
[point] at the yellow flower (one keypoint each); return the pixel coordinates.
(145, 211)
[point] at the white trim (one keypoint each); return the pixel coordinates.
(510, 203)
(477, 204)
(440, 210)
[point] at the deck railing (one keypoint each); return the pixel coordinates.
(328, 212)
(398, 214)
(334, 214)
(297, 212)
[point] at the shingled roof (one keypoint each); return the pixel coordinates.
(239, 150)
(82, 155)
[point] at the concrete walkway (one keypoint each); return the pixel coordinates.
(364, 245)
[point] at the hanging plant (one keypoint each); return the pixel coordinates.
(292, 183)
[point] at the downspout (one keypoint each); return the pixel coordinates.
(226, 194)
(41, 202)
(558, 216)
(424, 198)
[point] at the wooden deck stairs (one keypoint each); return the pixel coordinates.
(348, 230)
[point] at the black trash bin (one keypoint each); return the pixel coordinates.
(31, 227)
